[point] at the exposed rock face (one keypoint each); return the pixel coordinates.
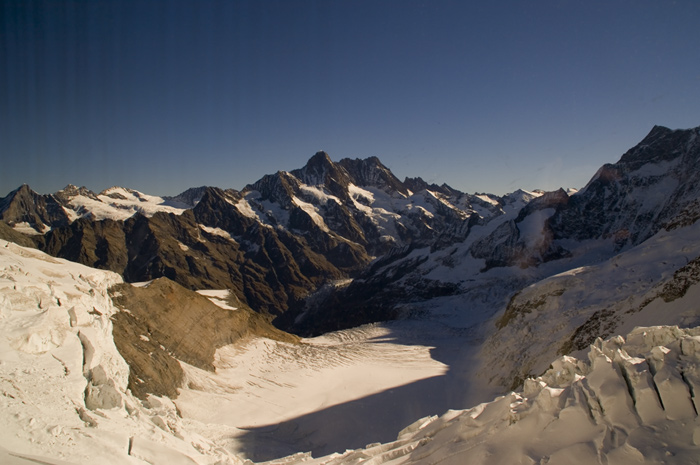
(164, 322)
(268, 268)
(70, 191)
(39, 212)
(9, 234)
(273, 243)
(565, 313)
(99, 244)
(654, 187)
(371, 172)
(528, 239)
(633, 199)
(190, 197)
(377, 295)
(418, 184)
(626, 202)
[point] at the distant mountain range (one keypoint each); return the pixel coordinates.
(272, 243)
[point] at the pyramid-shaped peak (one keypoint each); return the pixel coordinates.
(320, 169)
(318, 165)
(321, 158)
(23, 189)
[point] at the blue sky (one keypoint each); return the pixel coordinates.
(160, 96)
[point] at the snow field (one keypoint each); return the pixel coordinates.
(118, 203)
(218, 297)
(63, 384)
(261, 383)
(613, 297)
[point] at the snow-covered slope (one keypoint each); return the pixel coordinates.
(632, 402)
(268, 399)
(272, 244)
(64, 384)
(116, 203)
(652, 188)
(656, 282)
(63, 396)
(487, 291)
(361, 201)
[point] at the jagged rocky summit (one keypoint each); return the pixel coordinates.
(652, 189)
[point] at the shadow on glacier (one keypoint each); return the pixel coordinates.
(379, 417)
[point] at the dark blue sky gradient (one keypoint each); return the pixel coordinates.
(160, 96)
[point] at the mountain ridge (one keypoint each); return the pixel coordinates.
(284, 237)
(288, 231)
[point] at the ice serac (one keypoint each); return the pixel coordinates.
(64, 396)
(655, 281)
(631, 401)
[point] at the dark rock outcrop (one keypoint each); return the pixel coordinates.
(164, 322)
(633, 199)
(40, 212)
(9, 234)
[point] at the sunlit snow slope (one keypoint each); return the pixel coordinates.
(63, 384)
